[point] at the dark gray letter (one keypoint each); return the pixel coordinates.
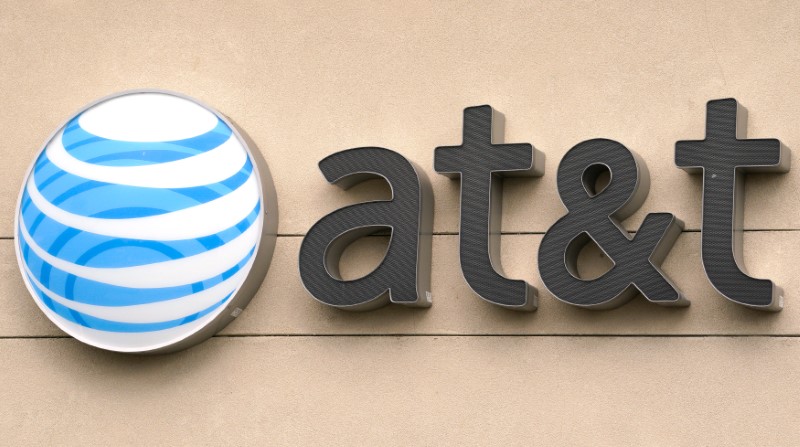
(404, 274)
(595, 216)
(723, 158)
(481, 164)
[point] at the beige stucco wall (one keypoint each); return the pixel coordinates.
(308, 79)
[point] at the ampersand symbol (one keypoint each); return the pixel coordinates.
(596, 215)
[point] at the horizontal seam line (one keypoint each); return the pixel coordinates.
(516, 233)
(551, 335)
(63, 337)
(523, 233)
(512, 233)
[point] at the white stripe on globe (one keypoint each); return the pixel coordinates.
(184, 272)
(168, 310)
(209, 167)
(148, 118)
(205, 218)
(176, 272)
(144, 342)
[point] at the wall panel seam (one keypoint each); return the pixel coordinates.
(435, 335)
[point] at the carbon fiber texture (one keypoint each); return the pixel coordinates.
(403, 272)
(481, 164)
(635, 261)
(725, 160)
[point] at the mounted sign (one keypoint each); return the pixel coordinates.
(146, 223)
(481, 161)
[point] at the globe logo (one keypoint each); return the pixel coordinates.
(145, 224)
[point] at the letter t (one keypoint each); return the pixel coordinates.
(481, 164)
(723, 158)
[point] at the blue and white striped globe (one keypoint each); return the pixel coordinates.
(140, 221)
